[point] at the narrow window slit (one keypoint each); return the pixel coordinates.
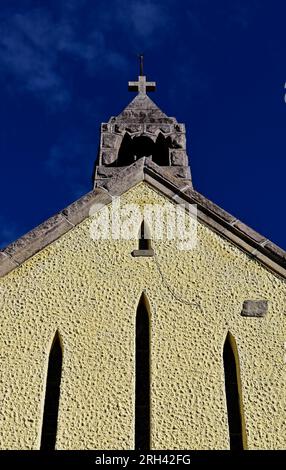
(232, 389)
(144, 242)
(52, 397)
(142, 381)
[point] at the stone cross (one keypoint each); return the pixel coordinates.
(142, 85)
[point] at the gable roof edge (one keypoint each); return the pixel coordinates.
(229, 227)
(176, 189)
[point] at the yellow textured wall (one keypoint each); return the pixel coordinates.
(89, 291)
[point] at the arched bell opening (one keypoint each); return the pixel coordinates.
(134, 148)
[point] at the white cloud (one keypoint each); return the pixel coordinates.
(65, 155)
(28, 53)
(148, 17)
(72, 5)
(32, 45)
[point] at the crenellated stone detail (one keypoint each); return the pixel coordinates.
(142, 118)
(112, 136)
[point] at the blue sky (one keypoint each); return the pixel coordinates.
(220, 68)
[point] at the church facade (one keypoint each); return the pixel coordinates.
(146, 342)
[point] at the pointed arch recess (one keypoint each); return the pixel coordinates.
(233, 391)
(142, 375)
(52, 395)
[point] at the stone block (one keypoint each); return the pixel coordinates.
(275, 252)
(39, 238)
(133, 128)
(209, 205)
(108, 156)
(125, 178)
(179, 141)
(249, 232)
(110, 140)
(254, 308)
(7, 264)
(180, 127)
(165, 128)
(144, 253)
(179, 158)
(119, 128)
(104, 127)
(80, 210)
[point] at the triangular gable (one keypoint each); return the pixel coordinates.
(218, 220)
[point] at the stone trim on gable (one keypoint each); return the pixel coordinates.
(176, 189)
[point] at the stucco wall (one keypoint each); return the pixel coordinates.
(89, 291)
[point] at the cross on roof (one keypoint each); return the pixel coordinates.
(142, 85)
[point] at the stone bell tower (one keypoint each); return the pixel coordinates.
(142, 130)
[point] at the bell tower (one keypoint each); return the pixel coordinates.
(142, 130)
